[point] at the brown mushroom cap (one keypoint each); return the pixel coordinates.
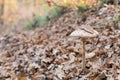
(85, 31)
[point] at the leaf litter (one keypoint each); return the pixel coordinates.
(49, 53)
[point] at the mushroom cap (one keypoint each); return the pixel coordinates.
(85, 31)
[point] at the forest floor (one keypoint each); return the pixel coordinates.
(49, 53)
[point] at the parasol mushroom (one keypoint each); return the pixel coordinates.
(84, 32)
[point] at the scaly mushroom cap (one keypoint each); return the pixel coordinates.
(85, 31)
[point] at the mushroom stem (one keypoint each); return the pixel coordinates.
(83, 55)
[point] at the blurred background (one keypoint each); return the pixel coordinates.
(26, 14)
(17, 13)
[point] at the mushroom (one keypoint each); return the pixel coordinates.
(84, 32)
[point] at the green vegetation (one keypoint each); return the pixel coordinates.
(36, 22)
(54, 12)
(83, 8)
